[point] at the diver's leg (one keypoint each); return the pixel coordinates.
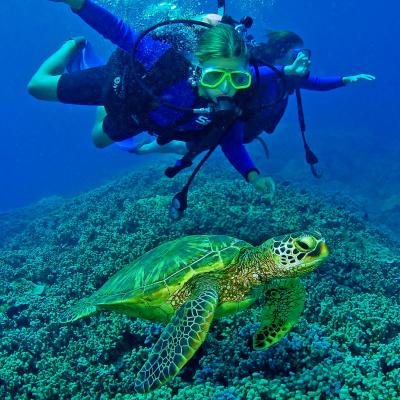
(175, 147)
(142, 144)
(43, 84)
(99, 137)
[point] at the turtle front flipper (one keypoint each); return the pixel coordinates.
(284, 302)
(179, 341)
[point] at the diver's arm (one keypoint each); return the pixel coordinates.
(320, 83)
(107, 24)
(235, 151)
(331, 82)
(298, 75)
(102, 21)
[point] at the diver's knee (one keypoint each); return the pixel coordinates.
(34, 88)
(98, 141)
(99, 138)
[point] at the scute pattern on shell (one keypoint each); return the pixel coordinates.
(169, 264)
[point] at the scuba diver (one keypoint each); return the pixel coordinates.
(204, 103)
(279, 49)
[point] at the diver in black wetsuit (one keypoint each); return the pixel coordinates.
(223, 73)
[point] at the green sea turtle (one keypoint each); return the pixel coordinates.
(192, 280)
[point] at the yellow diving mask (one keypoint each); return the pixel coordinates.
(212, 77)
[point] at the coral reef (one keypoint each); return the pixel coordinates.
(346, 346)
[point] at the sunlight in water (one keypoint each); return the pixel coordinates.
(155, 11)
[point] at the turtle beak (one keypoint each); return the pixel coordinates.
(323, 250)
(320, 252)
(314, 259)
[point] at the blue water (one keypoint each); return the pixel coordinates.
(46, 148)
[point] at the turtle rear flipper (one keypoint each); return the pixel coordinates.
(179, 341)
(80, 310)
(283, 306)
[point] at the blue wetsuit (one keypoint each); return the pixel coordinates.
(181, 93)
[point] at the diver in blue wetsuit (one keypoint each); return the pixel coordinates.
(280, 48)
(222, 75)
(115, 87)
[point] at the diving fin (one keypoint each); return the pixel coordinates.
(83, 59)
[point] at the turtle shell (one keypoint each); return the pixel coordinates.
(171, 264)
(151, 279)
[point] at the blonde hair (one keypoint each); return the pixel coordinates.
(221, 41)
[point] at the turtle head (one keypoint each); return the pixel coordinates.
(295, 254)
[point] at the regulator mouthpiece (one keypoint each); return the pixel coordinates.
(225, 107)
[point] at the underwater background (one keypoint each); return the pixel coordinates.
(72, 215)
(46, 148)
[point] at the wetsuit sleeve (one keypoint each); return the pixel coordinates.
(321, 83)
(108, 25)
(235, 151)
(116, 30)
(310, 82)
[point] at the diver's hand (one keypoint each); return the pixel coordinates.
(76, 5)
(263, 184)
(355, 78)
(300, 66)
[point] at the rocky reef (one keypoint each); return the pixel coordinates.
(346, 346)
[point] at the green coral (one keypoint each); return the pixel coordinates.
(346, 346)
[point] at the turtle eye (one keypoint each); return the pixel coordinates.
(305, 244)
(302, 245)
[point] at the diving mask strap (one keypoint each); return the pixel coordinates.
(311, 158)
